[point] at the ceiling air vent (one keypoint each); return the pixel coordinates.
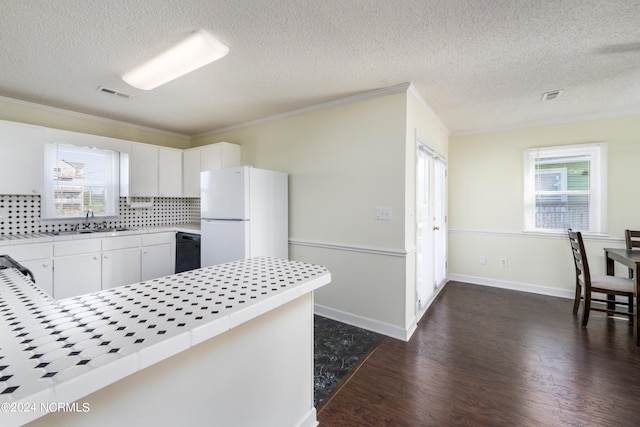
(113, 92)
(550, 96)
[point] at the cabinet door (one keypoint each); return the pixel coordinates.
(219, 155)
(22, 148)
(191, 172)
(42, 270)
(76, 275)
(120, 267)
(157, 261)
(211, 157)
(169, 172)
(143, 170)
(230, 155)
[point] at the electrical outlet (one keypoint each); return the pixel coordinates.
(382, 213)
(504, 262)
(483, 260)
(4, 213)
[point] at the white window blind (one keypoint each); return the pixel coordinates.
(79, 179)
(565, 187)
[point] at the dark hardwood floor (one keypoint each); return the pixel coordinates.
(491, 357)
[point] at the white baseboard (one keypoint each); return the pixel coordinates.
(310, 420)
(515, 286)
(382, 328)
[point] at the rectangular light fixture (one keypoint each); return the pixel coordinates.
(197, 50)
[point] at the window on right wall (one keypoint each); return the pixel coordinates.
(565, 187)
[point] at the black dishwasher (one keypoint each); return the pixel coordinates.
(187, 251)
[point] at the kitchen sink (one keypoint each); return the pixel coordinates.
(109, 230)
(91, 231)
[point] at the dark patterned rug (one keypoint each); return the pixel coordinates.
(338, 348)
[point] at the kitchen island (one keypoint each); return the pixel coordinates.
(225, 345)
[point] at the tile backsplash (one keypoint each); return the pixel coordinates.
(21, 215)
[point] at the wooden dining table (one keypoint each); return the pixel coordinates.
(630, 259)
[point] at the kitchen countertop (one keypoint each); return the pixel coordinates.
(60, 351)
(13, 239)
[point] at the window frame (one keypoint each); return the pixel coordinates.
(596, 153)
(111, 184)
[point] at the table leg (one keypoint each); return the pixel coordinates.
(611, 304)
(610, 271)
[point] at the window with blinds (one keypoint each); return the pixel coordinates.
(79, 180)
(565, 187)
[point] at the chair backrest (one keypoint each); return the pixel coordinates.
(632, 239)
(579, 257)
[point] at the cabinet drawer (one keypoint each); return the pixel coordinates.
(76, 247)
(158, 238)
(121, 242)
(28, 252)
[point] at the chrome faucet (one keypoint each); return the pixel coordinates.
(86, 218)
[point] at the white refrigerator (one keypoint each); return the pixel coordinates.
(244, 214)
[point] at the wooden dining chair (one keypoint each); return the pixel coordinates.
(632, 240)
(588, 284)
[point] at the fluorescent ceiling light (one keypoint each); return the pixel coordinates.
(197, 50)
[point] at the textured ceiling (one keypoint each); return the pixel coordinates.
(479, 64)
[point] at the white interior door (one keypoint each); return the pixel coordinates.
(431, 225)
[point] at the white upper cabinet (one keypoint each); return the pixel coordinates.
(208, 157)
(149, 171)
(169, 172)
(143, 170)
(220, 155)
(22, 151)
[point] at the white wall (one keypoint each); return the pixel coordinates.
(486, 216)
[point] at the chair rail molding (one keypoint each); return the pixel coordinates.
(353, 248)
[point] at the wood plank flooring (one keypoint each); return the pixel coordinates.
(491, 357)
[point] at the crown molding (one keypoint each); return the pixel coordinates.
(552, 122)
(416, 95)
(85, 116)
(391, 90)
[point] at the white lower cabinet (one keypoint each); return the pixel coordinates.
(77, 275)
(120, 261)
(156, 261)
(81, 266)
(77, 267)
(120, 267)
(37, 258)
(158, 255)
(42, 270)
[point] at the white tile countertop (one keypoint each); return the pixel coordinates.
(61, 351)
(13, 239)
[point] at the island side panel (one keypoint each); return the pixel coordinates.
(259, 373)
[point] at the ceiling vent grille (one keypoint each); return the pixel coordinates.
(550, 96)
(113, 92)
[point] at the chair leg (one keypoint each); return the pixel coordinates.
(611, 304)
(587, 309)
(630, 309)
(576, 301)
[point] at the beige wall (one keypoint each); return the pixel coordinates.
(486, 215)
(343, 162)
(33, 114)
